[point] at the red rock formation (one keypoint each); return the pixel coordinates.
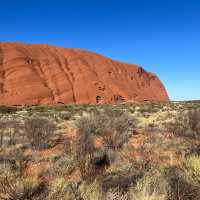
(43, 74)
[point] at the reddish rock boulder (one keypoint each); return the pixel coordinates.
(43, 74)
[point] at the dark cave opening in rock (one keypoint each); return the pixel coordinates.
(98, 99)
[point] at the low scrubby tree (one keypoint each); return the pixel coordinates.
(39, 131)
(112, 126)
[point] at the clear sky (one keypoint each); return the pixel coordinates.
(163, 36)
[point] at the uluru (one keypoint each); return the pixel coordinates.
(32, 74)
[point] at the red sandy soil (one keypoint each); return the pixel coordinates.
(156, 155)
(43, 74)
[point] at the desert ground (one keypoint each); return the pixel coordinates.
(129, 151)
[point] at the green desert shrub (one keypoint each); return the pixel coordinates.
(7, 110)
(39, 131)
(40, 108)
(131, 109)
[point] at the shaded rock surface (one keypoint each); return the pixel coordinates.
(43, 74)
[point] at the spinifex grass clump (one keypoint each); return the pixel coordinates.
(15, 187)
(191, 167)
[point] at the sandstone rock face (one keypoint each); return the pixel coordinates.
(43, 74)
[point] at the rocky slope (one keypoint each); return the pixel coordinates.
(43, 74)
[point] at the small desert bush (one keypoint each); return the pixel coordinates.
(116, 194)
(10, 132)
(15, 187)
(195, 149)
(14, 133)
(90, 161)
(13, 159)
(2, 132)
(145, 195)
(150, 108)
(84, 150)
(39, 131)
(91, 191)
(194, 121)
(120, 176)
(7, 110)
(177, 126)
(180, 186)
(62, 167)
(112, 125)
(40, 108)
(185, 124)
(89, 125)
(117, 129)
(191, 166)
(131, 109)
(152, 186)
(60, 189)
(65, 115)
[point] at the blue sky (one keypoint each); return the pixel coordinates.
(163, 36)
